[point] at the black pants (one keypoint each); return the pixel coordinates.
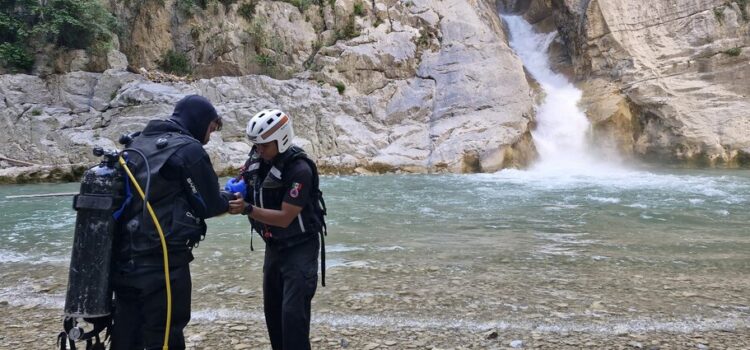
(290, 277)
(141, 308)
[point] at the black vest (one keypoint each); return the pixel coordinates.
(182, 229)
(268, 192)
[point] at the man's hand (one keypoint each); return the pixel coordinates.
(237, 205)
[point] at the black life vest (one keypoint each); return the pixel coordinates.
(182, 228)
(268, 192)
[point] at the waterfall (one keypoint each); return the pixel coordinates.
(560, 135)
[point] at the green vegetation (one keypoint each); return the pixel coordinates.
(359, 9)
(310, 61)
(186, 6)
(719, 13)
(257, 34)
(349, 30)
(340, 87)
(743, 8)
(733, 51)
(269, 49)
(175, 62)
(15, 57)
(75, 24)
(227, 3)
(196, 31)
(302, 5)
(27, 25)
(247, 10)
(265, 60)
(424, 38)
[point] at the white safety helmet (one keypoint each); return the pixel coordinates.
(271, 125)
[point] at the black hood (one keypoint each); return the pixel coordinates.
(194, 113)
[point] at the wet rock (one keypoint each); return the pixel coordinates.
(597, 306)
(492, 334)
(635, 344)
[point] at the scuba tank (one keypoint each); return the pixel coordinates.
(89, 294)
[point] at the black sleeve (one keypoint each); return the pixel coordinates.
(199, 181)
(299, 182)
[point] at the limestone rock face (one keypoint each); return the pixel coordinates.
(220, 38)
(663, 80)
(417, 86)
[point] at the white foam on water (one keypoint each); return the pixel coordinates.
(615, 326)
(730, 190)
(341, 248)
(563, 244)
(610, 200)
(9, 256)
(333, 262)
(389, 249)
(341, 263)
(23, 295)
(428, 211)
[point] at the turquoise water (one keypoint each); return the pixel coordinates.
(630, 248)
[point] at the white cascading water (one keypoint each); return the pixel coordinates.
(560, 135)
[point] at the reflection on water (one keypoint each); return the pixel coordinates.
(634, 249)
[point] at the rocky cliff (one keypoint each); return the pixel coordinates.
(396, 85)
(415, 86)
(663, 80)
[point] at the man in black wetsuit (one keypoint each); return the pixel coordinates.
(184, 191)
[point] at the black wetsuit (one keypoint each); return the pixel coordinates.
(184, 192)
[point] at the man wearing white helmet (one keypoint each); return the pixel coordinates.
(284, 205)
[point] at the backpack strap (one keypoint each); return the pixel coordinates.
(322, 260)
(317, 196)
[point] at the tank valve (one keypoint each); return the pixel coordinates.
(75, 333)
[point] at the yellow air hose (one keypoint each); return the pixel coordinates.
(163, 248)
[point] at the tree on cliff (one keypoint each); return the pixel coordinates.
(26, 26)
